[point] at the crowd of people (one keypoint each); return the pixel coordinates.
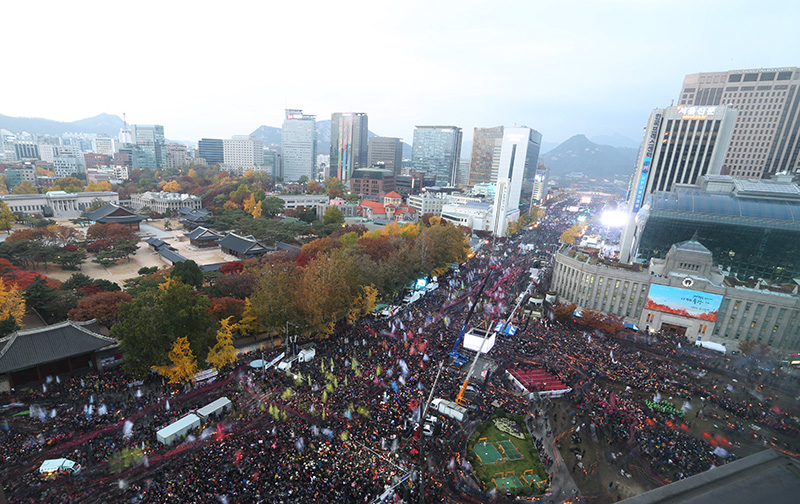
(346, 426)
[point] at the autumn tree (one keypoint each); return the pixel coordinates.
(172, 186)
(248, 324)
(103, 306)
(7, 217)
(112, 232)
(563, 313)
(275, 300)
(223, 352)
(12, 308)
(571, 234)
(363, 304)
(184, 363)
(226, 307)
(333, 216)
(25, 187)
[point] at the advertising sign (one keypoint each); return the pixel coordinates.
(684, 302)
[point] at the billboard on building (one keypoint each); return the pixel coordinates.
(684, 302)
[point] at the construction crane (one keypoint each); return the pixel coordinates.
(504, 326)
(457, 356)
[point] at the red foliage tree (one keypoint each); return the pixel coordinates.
(231, 267)
(379, 249)
(111, 231)
(103, 306)
(224, 307)
(236, 285)
(23, 278)
(98, 246)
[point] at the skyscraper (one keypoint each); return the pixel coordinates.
(519, 153)
(212, 150)
(680, 144)
(484, 141)
(766, 136)
(298, 145)
(243, 151)
(349, 141)
(436, 152)
(386, 150)
(149, 147)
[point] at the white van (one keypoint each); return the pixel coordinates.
(59, 466)
(411, 298)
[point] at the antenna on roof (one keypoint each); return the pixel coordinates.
(124, 120)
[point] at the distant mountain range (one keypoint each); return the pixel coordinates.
(271, 136)
(103, 123)
(579, 154)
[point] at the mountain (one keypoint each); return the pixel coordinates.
(615, 140)
(547, 147)
(271, 136)
(103, 123)
(579, 154)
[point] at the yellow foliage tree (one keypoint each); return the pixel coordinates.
(25, 187)
(103, 185)
(171, 186)
(12, 304)
(192, 173)
(223, 352)
(410, 231)
(230, 205)
(257, 211)
(363, 304)
(435, 220)
(7, 217)
(248, 324)
(184, 363)
(249, 203)
(570, 234)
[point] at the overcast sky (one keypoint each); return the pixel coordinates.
(216, 69)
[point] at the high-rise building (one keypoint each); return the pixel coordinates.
(680, 144)
(436, 152)
(177, 155)
(349, 143)
(386, 150)
(540, 181)
(766, 136)
(149, 147)
(519, 152)
(243, 151)
(212, 150)
(26, 150)
(298, 145)
(104, 144)
(484, 143)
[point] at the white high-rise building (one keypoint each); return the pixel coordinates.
(104, 144)
(680, 144)
(519, 153)
(243, 151)
(298, 145)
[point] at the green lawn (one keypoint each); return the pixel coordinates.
(529, 460)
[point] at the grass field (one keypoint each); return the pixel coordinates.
(488, 453)
(505, 483)
(522, 448)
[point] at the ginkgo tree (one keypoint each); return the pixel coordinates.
(12, 308)
(184, 363)
(223, 352)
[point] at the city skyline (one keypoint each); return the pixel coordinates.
(569, 75)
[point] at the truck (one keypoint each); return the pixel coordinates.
(59, 466)
(449, 409)
(307, 353)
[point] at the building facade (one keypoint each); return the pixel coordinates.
(349, 143)
(298, 145)
(58, 204)
(766, 137)
(540, 181)
(243, 151)
(519, 153)
(684, 293)
(386, 151)
(212, 150)
(427, 202)
(437, 152)
(485, 141)
(372, 181)
(164, 202)
(680, 145)
(177, 156)
(293, 201)
(149, 147)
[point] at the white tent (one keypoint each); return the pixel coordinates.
(178, 429)
(221, 404)
(711, 345)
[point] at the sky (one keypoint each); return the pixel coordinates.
(216, 69)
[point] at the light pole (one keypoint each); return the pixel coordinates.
(287, 336)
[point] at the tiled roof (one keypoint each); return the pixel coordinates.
(393, 195)
(28, 348)
(201, 233)
(242, 244)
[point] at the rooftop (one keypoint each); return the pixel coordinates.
(696, 201)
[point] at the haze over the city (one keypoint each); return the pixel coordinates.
(562, 68)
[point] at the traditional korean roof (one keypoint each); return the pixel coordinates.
(28, 348)
(242, 244)
(201, 233)
(113, 213)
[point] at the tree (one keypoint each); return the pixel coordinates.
(274, 301)
(96, 204)
(41, 297)
(363, 304)
(103, 306)
(563, 313)
(272, 206)
(25, 187)
(249, 204)
(231, 267)
(112, 232)
(189, 273)
(223, 352)
(172, 186)
(184, 363)
(226, 307)
(107, 258)
(127, 248)
(7, 217)
(249, 322)
(257, 210)
(70, 257)
(156, 318)
(333, 216)
(12, 303)
(571, 234)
